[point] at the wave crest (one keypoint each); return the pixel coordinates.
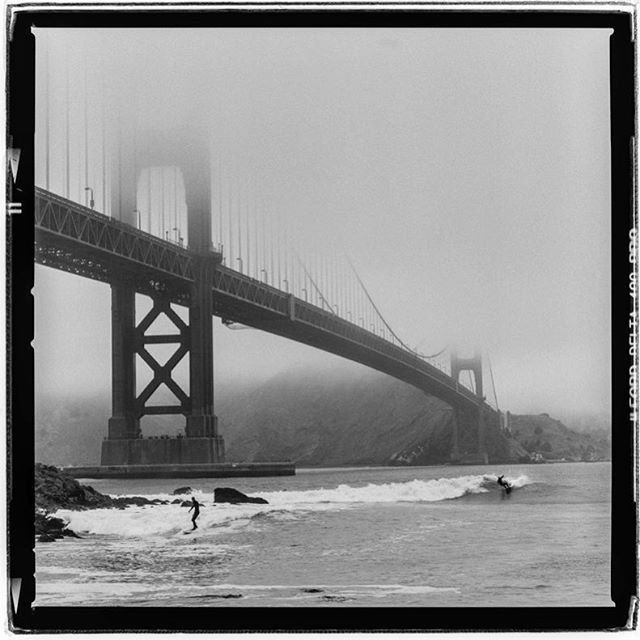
(172, 519)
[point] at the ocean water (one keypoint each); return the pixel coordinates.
(384, 536)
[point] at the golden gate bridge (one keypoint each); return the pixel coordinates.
(155, 212)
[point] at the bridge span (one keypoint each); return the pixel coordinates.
(76, 239)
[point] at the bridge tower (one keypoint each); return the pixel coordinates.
(202, 443)
(473, 364)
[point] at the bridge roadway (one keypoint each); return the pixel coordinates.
(76, 239)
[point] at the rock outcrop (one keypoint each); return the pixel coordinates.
(49, 529)
(233, 496)
(55, 489)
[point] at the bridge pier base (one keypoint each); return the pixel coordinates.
(165, 451)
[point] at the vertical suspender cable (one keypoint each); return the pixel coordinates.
(86, 133)
(230, 251)
(149, 189)
(133, 215)
(162, 185)
(219, 183)
(285, 251)
(149, 199)
(47, 116)
(175, 203)
(264, 239)
(119, 159)
(104, 152)
(240, 231)
(256, 242)
(279, 249)
(247, 231)
(271, 243)
(67, 132)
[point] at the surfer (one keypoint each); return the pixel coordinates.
(195, 505)
(504, 484)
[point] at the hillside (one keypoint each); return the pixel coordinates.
(319, 420)
(551, 439)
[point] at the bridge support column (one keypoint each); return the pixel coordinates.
(473, 364)
(202, 422)
(124, 422)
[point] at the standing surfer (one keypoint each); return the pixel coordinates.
(195, 505)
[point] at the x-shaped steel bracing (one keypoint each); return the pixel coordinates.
(162, 373)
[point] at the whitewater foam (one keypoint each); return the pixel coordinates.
(172, 519)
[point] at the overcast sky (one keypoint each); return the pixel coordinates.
(465, 172)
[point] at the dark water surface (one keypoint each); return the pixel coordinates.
(385, 536)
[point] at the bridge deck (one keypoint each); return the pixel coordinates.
(73, 238)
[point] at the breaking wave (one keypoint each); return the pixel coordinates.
(172, 519)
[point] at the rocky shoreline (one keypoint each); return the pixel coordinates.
(55, 489)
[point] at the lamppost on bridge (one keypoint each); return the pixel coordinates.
(91, 200)
(361, 322)
(139, 218)
(305, 294)
(266, 275)
(286, 284)
(335, 306)
(240, 261)
(177, 232)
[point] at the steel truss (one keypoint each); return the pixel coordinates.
(76, 239)
(72, 220)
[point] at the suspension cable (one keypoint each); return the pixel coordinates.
(315, 286)
(386, 324)
(493, 384)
